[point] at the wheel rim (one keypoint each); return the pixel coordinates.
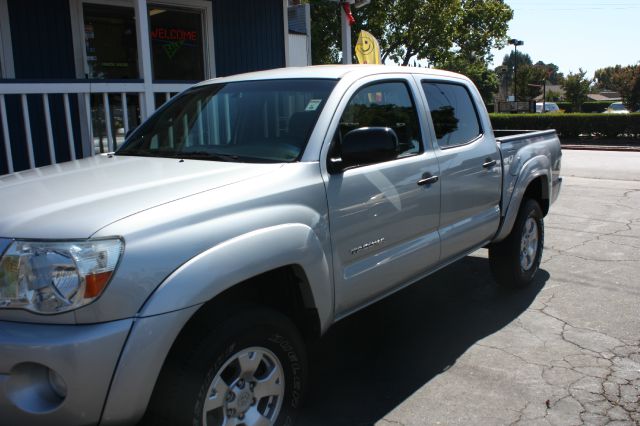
(247, 390)
(529, 244)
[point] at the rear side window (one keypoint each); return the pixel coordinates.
(384, 104)
(454, 115)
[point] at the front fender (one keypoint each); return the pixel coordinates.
(534, 168)
(215, 270)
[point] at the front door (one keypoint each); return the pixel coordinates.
(384, 225)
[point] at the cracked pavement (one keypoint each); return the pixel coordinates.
(453, 349)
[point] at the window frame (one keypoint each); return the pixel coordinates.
(412, 96)
(481, 131)
(80, 52)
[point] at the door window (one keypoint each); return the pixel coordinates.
(177, 47)
(110, 40)
(454, 115)
(386, 104)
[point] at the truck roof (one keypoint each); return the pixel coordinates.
(332, 72)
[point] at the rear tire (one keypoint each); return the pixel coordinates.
(249, 369)
(515, 260)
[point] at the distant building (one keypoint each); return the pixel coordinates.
(605, 95)
(299, 34)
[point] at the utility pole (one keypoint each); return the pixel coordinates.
(515, 43)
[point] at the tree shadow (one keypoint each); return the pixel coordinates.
(369, 363)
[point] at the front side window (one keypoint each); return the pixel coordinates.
(453, 113)
(249, 121)
(386, 104)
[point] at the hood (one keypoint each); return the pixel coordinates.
(75, 199)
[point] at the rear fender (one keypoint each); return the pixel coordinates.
(536, 168)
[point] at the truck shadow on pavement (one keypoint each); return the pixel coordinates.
(369, 363)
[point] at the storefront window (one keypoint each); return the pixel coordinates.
(110, 40)
(176, 43)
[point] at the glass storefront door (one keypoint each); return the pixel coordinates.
(110, 40)
(177, 43)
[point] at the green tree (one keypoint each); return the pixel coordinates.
(508, 68)
(530, 76)
(576, 88)
(325, 18)
(408, 30)
(530, 81)
(554, 76)
(603, 78)
(627, 81)
(486, 80)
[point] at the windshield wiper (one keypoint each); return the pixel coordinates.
(147, 153)
(203, 155)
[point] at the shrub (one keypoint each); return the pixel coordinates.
(565, 106)
(571, 125)
(595, 106)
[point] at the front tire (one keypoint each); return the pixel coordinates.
(515, 260)
(249, 370)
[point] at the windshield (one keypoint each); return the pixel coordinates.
(617, 107)
(251, 121)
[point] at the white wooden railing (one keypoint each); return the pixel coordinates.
(87, 115)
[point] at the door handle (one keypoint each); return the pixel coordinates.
(488, 163)
(427, 179)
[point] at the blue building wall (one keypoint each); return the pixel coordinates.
(248, 35)
(42, 51)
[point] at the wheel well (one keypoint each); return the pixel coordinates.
(538, 190)
(283, 289)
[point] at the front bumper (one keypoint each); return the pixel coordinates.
(83, 356)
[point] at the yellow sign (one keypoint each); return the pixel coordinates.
(367, 49)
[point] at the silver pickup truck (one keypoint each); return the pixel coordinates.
(177, 280)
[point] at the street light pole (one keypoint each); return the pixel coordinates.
(515, 43)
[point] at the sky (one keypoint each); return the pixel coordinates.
(573, 34)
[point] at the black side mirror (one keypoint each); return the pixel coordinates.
(366, 145)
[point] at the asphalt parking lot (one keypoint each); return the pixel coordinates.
(454, 349)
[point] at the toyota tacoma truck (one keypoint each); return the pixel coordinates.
(176, 280)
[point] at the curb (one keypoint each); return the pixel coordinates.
(602, 147)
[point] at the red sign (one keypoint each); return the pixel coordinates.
(175, 34)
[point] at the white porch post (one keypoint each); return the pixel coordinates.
(347, 51)
(144, 53)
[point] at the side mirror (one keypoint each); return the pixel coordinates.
(366, 145)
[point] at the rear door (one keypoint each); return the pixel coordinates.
(384, 225)
(470, 169)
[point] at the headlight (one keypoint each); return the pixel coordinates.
(53, 277)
